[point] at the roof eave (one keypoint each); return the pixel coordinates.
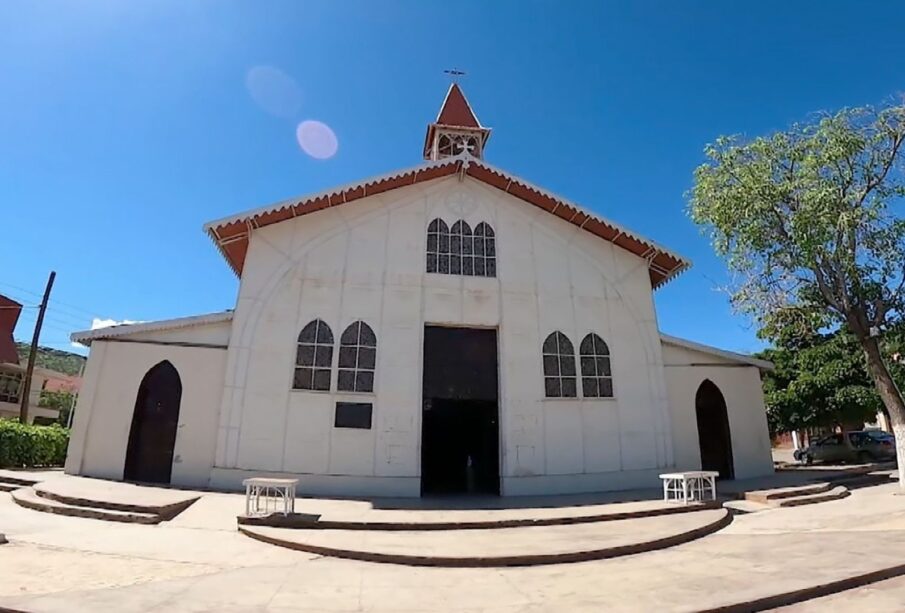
(85, 337)
(764, 365)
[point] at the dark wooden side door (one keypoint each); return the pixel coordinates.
(714, 435)
(152, 438)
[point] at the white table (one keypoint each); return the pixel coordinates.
(690, 485)
(263, 495)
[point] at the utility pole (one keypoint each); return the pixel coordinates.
(25, 390)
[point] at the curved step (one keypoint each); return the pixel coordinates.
(114, 496)
(521, 546)
(6, 486)
(764, 496)
(304, 521)
(28, 498)
(837, 493)
(12, 477)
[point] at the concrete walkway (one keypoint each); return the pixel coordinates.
(198, 562)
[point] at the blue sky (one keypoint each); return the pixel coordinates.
(124, 126)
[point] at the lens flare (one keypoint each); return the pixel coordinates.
(316, 139)
(274, 91)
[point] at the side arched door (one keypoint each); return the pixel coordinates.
(714, 435)
(152, 438)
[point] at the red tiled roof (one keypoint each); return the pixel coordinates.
(231, 233)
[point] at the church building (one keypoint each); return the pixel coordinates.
(444, 328)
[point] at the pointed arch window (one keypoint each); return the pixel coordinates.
(461, 249)
(596, 374)
(438, 247)
(314, 357)
(484, 251)
(559, 367)
(357, 358)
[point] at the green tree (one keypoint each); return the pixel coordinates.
(806, 219)
(820, 382)
(61, 401)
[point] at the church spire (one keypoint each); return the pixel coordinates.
(456, 129)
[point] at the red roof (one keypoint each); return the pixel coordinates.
(231, 233)
(9, 316)
(456, 111)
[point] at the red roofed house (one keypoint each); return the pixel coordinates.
(448, 327)
(12, 373)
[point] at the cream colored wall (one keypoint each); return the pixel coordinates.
(103, 415)
(740, 385)
(366, 260)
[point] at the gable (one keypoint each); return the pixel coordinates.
(231, 234)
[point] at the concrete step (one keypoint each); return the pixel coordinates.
(6, 486)
(28, 498)
(519, 546)
(746, 506)
(512, 519)
(837, 493)
(765, 496)
(114, 496)
(12, 477)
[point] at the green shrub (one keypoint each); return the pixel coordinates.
(30, 445)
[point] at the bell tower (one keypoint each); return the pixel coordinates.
(456, 129)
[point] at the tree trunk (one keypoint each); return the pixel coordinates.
(891, 398)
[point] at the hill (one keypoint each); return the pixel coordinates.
(53, 359)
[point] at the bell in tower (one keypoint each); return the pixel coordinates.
(456, 130)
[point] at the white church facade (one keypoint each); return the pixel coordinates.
(447, 328)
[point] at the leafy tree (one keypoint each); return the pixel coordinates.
(61, 401)
(807, 220)
(820, 382)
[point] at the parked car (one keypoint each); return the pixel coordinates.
(861, 446)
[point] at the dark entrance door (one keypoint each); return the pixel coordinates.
(149, 457)
(460, 433)
(713, 430)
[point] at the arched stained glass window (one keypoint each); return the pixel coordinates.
(559, 367)
(596, 375)
(357, 358)
(314, 357)
(438, 247)
(461, 250)
(484, 251)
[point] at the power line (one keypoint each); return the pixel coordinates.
(55, 301)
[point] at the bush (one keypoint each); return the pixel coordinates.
(30, 445)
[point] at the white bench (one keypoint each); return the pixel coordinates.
(689, 486)
(263, 495)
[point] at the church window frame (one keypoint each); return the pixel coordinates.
(461, 250)
(314, 358)
(357, 366)
(484, 250)
(560, 375)
(438, 249)
(596, 367)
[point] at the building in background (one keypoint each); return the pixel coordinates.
(9, 316)
(12, 373)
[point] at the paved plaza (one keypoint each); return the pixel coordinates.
(199, 562)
